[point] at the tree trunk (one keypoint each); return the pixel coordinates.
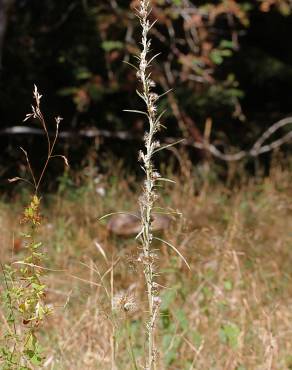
(4, 10)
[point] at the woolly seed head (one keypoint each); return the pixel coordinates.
(125, 302)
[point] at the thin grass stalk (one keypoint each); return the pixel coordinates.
(113, 335)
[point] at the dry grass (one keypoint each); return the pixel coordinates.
(231, 311)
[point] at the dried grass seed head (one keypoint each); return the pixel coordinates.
(125, 302)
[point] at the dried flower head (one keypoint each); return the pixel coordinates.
(125, 302)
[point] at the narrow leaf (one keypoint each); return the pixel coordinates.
(165, 93)
(63, 157)
(118, 213)
(168, 146)
(154, 57)
(135, 111)
(165, 180)
(159, 117)
(175, 249)
(130, 64)
(141, 95)
(101, 250)
(15, 179)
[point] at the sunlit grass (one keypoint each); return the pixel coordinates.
(231, 311)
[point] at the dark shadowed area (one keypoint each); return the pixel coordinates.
(228, 63)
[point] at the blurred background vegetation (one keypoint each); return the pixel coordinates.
(228, 62)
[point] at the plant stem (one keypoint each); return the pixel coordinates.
(149, 196)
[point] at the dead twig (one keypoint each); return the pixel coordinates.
(257, 149)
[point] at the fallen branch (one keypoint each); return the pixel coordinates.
(257, 149)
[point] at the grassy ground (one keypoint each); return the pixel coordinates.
(233, 310)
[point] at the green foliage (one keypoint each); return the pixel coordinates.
(229, 334)
(23, 300)
(111, 45)
(223, 51)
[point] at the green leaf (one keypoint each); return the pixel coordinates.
(36, 359)
(37, 245)
(112, 45)
(216, 57)
(182, 319)
(67, 91)
(38, 287)
(229, 334)
(170, 344)
(165, 318)
(82, 73)
(168, 297)
(226, 53)
(226, 44)
(228, 285)
(197, 338)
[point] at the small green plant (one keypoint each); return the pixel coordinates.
(24, 294)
